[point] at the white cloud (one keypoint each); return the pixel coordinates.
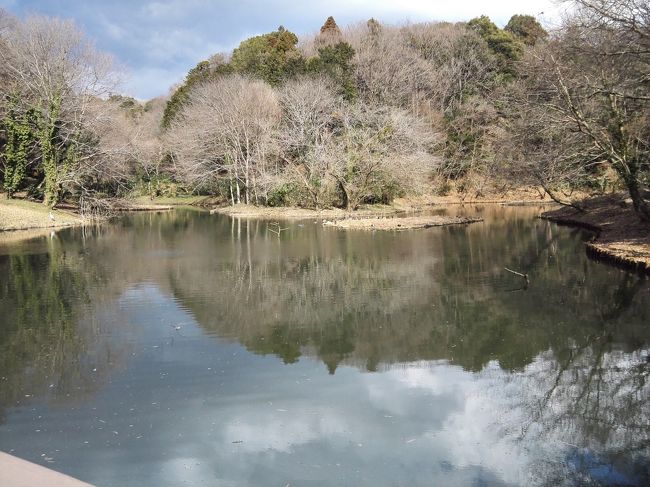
(172, 9)
(498, 10)
(114, 31)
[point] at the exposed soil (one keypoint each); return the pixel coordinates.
(620, 236)
(510, 196)
(400, 223)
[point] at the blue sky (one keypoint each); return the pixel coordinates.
(159, 40)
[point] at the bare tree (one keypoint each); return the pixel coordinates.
(309, 107)
(421, 67)
(226, 132)
(379, 150)
(586, 95)
(56, 73)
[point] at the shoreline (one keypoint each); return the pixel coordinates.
(620, 237)
(521, 197)
(296, 213)
(19, 215)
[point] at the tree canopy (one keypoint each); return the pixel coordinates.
(272, 57)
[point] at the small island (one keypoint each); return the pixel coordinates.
(399, 223)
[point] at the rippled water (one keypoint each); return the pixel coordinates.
(190, 349)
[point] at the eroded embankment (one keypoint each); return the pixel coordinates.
(621, 238)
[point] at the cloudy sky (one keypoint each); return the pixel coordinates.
(158, 41)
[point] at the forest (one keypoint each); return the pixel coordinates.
(348, 116)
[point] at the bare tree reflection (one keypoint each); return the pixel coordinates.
(592, 397)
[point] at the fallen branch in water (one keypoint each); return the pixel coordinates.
(277, 230)
(524, 276)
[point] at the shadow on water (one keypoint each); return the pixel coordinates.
(567, 356)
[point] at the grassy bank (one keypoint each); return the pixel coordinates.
(621, 238)
(22, 215)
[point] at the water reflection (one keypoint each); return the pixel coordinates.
(125, 355)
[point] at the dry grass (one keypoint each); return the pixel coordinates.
(526, 195)
(509, 196)
(22, 215)
(292, 213)
(405, 223)
(621, 237)
(173, 201)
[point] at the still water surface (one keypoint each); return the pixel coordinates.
(191, 349)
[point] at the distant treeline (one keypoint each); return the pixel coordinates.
(345, 117)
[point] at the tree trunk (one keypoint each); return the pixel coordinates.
(556, 198)
(638, 201)
(344, 193)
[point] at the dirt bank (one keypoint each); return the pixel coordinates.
(399, 223)
(621, 238)
(510, 196)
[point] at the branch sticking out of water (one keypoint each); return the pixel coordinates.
(277, 230)
(524, 276)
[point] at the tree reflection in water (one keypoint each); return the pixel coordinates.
(571, 349)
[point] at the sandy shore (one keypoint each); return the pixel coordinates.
(621, 238)
(399, 223)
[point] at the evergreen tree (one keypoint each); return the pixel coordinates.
(198, 74)
(335, 61)
(526, 29)
(503, 44)
(272, 57)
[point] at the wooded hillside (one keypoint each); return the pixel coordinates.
(353, 115)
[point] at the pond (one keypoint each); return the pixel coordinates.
(184, 348)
